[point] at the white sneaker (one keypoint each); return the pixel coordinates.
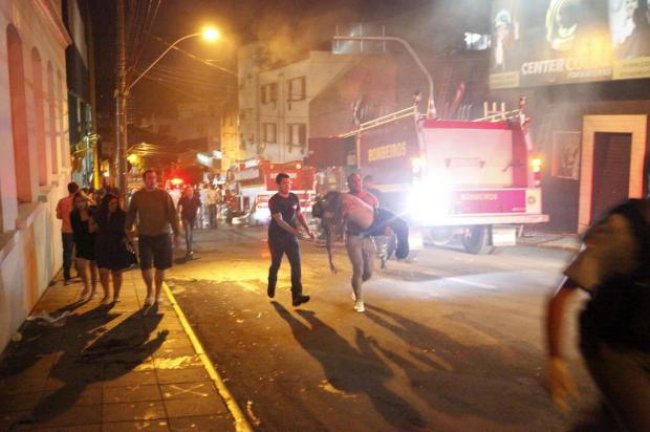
(359, 306)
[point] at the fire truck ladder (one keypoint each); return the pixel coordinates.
(407, 112)
(500, 115)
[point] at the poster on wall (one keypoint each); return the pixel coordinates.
(566, 155)
(568, 41)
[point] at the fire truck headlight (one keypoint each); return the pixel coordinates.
(262, 214)
(428, 204)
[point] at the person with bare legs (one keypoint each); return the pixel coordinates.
(112, 245)
(156, 215)
(83, 228)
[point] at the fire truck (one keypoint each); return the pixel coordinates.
(256, 185)
(479, 181)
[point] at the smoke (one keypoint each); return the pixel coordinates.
(288, 37)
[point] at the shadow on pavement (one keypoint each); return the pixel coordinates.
(352, 370)
(481, 380)
(82, 363)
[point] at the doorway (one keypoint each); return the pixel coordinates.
(611, 179)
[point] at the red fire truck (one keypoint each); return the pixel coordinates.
(256, 185)
(479, 180)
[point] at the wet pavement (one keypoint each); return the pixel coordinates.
(106, 367)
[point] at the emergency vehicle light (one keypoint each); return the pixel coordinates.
(536, 164)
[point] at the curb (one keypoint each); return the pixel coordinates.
(241, 424)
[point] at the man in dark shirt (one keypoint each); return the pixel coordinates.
(188, 205)
(283, 237)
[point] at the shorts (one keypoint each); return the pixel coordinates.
(155, 251)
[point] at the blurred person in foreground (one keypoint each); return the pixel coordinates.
(154, 211)
(613, 267)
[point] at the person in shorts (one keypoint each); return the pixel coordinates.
(156, 217)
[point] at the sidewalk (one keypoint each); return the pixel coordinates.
(107, 368)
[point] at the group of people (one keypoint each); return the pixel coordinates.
(96, 233)
(613, 267)
(286, 220)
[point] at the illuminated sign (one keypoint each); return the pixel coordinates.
(568, 41)
(247, 174)
(389, 151)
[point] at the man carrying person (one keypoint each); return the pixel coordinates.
(286, 218)
(63, 209)
(387, 243)
(359, 245)
(155, 213)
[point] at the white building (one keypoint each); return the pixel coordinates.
(34, 144)
(274, 101)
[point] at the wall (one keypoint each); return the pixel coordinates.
(30, 241)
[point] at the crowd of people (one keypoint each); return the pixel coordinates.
(613, 267)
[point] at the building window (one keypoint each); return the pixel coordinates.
(269, 133)
(297, 89)
(269, 93)
(297, 134)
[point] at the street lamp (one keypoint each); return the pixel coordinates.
(209, 34)
(431, 107)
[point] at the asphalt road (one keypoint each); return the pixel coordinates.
(450, 342)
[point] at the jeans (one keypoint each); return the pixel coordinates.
(212, 212)
(361, 252)
(68, 249)
(188, 227)
(280, 245)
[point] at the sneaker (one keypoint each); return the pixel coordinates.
(359, 306)
(300, 300)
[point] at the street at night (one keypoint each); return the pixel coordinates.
(162, 158)
(450, 342)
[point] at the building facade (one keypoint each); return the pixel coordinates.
(274, 101)
(35, 164)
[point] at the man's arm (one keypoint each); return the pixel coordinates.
(561, 385)
(284, 225)
(59, 210)
(303, 222)
(173, 215)
(130, 217)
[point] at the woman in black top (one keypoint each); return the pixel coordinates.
(112, 253)
(83, 229)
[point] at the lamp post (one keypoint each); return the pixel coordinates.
(122, 92)
(431, 107)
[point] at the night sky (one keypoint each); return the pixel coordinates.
(294, 25)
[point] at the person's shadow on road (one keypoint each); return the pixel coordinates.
(352, 370)
(460, 379)
(113, 354)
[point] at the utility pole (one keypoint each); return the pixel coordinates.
(121, 136)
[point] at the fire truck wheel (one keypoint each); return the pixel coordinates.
(441, 236)
(477, 240)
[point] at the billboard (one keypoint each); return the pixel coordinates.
(568, 41)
